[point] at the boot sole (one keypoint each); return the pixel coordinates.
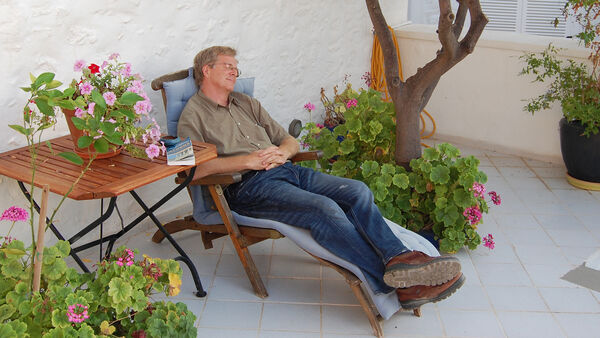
(433, 273)
(413, 304)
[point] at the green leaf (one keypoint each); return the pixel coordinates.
(68, 92)
(119, 290)
(400, 180)
(108, 128)
(462, 198)
(72, 157)
(123, 112)
(67, 104)
(84, 141)
(44, 107)
(101, 145)
(388, 169)
(440, 175)
(6, 310)
(431, 154)
(448, 150)
(347, 146)
(98, 98)
(129, 99)
(44, 78)
(78, 122)
(12, 269)
(21, 129)
(370, 168)
(353, 125)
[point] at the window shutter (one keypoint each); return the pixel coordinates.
(502, 14)
(540, 17)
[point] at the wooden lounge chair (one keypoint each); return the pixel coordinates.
(244, 236)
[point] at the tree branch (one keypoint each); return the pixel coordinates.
(390, 60)
(478, 22)
(459, 22)
(445, 33)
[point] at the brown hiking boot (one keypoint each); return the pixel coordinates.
(416, 268)
(413, 297)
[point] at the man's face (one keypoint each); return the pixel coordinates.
(223, 72)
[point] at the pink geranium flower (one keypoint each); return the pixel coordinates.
(351, 103)
(495, 197)
(309, 106)
(14, 214)
(473, 214)
(77, 313)
(488, 241)
(478, 189)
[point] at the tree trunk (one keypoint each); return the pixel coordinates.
(411, 96)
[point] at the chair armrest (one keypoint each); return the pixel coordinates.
(213, 179)
(307, 155)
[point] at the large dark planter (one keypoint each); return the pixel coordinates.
(581, 154)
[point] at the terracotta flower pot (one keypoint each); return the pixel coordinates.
(88, 152)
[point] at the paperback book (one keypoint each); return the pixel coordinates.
(181, 153)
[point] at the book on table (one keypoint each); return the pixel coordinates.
(181, 153)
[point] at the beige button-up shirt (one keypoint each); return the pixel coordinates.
(239, 129)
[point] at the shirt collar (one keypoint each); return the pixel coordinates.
(215, 105)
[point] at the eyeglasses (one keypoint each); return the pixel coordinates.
(229, 67)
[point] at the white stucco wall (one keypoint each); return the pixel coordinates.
(293, 48)
(480, 101)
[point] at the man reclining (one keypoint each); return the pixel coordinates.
(339, 213)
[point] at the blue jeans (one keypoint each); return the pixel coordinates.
(339, 213)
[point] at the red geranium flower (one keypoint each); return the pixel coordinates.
(94, 68)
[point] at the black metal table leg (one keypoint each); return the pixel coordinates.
(150, 213)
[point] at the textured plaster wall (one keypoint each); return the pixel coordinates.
(293, 48)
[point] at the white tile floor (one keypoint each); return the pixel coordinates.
(543, 229)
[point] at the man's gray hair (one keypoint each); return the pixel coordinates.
(208, 56)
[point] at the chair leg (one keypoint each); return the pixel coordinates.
(366, 306)
(238, 240)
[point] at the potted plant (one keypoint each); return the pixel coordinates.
(60, 302)
(104, 108)
(443, 192)
(577, 88)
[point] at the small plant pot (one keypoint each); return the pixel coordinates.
(88, 152)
